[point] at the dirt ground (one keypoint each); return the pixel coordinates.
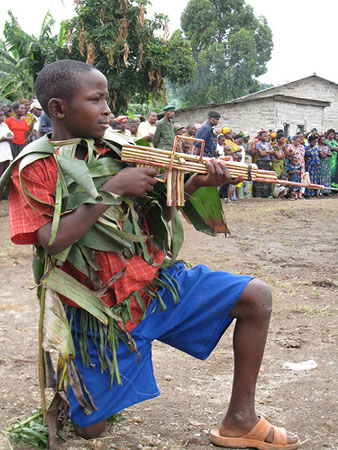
(293, 246)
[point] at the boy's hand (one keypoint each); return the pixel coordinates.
(217, 175)
(132, 181)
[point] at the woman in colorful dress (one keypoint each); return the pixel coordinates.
(313, 165)
(333, 146)
(325, 169)
(298, 150)
(278, 156)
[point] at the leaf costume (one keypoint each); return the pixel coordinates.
(130, 227)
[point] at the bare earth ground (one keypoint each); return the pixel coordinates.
(293, 246)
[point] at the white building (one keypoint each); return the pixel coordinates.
(300, 105)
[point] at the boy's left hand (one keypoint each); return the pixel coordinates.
(217, 175)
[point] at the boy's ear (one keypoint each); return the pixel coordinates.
(56, 108)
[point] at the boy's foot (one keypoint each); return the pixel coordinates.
(262, 436)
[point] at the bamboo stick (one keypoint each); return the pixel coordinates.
(178, 163)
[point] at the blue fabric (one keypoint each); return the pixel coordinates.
(194, 325)
(206, 133)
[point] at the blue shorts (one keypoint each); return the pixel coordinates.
(194, 325)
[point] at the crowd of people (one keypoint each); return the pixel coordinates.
(303, 157)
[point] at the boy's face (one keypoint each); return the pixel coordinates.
(87, 113)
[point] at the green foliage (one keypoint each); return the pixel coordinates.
(231, 48)
(22, 56)
(131, 50)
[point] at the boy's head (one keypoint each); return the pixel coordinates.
(2, 115)
(74, 96)
(294, 160)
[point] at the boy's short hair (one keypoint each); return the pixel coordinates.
(59, 80)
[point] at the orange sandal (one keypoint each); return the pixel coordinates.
(255, 438)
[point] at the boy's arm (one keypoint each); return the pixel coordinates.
(129, 181)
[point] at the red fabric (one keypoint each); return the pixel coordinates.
(40, 179)
(19, 128)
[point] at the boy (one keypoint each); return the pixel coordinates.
(294, 171)
(74, 95)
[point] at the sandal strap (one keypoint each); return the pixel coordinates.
(280, 436)
(260, 431)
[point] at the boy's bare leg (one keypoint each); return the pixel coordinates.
(93, 431)
(252, 311)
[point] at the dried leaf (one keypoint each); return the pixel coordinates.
(140, 17)
(126, 53)
(90, 54)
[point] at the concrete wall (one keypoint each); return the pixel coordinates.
(262, 111)
(259, 113)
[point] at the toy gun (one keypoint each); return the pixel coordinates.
(176, 164)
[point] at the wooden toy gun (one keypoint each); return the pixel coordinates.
(176, 164)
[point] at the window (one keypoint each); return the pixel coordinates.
(300, 129)
(286, 129)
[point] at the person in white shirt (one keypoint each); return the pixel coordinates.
(147, 129)
(6, 136)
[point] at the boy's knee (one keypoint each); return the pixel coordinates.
(255, 301)
(92, 431)
(260, 296)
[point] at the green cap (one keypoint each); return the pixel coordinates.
(169, 108)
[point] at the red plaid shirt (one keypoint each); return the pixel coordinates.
(40, 179)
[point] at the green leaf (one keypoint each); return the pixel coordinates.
(204, 211)
(77, 170)
(65, 285)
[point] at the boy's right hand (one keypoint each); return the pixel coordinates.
(132, 181)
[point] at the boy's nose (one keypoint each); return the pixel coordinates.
(107, 110)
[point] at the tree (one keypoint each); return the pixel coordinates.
(22, 56)
(119, 40)
(231, 48)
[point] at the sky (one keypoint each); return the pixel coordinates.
(304, 33)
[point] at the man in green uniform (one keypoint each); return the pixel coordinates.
(165, 134)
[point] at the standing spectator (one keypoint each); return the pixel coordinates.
(333, 146)
(325, 165)
(133, 125)
(246, 142)
(124, 120)
(278, 156)
(264, 152)
(36, 110)
(206, 133)
(312, 165)
(19, 128)
(6, 136)
(190, 131)
(147, 129)
(165, 133)
(45, 125)
(297, 149)
(220, 145)
(7, 110)
(29, 116)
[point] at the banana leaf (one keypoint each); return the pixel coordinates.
(77, 170)
(204, 211)
(56, 331)
(64, 284)
(142, 142)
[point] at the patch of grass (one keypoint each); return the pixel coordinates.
(33, 432)
(327, 310)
